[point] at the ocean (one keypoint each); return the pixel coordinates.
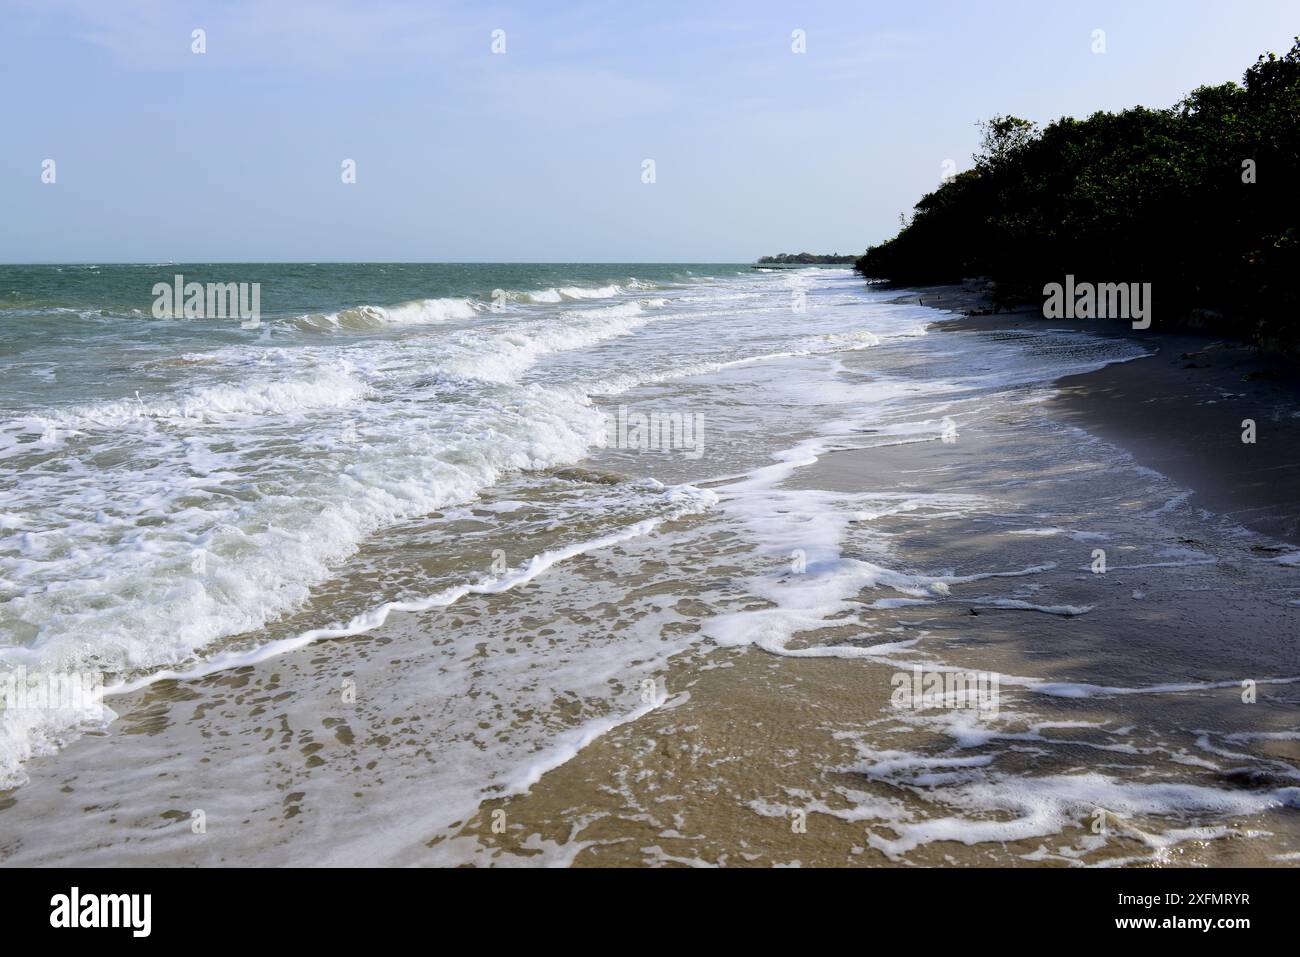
(179, 486)
(428, 537)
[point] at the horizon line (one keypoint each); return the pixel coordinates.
(401, 262)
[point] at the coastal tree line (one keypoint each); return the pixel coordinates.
(806, 259)
(1201, 199)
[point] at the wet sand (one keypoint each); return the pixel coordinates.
(775, 760)
(1180, 411)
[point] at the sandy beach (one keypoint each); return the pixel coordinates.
(1180, 411)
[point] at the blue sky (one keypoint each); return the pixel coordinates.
(536, 154)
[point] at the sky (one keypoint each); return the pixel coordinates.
(537, 153)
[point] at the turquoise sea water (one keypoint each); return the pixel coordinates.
(51, 314)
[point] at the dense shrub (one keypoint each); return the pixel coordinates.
(1144, 195)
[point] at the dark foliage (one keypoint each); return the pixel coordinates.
(807, 258)
(1143, 195)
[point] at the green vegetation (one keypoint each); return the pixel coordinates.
(806, 259)
(1201, 199)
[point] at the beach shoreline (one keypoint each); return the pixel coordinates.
(718, 688)
(1146, 407)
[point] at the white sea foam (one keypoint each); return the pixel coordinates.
(414, 313)
(328, 388)
(214, 525)
(1042, 805)
(683, 500)
(580, 292)
(559, 294)
(1015, 604)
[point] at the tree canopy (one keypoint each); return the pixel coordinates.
(811, 258)
(1200, 199)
